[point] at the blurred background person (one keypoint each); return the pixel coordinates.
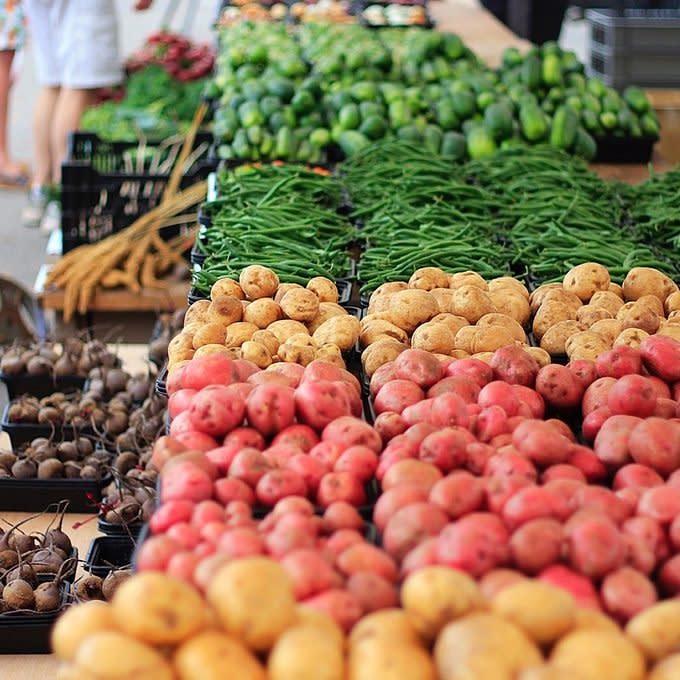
(13, 175)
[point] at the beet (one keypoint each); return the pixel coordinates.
(50, 469)
(18, 595)
(113, 581)
(39, 366)
(89, 588)
(24, 469)
(47, 597)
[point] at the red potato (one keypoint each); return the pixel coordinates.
(372, 591)
(222, 457)
(663, 391)
(605, 501)
(210, 369)
(388, 459)
(351, 431)
(562, 428)
(366, 557)
(342, 515)
(588, 463)
(499, 393)
(596, 394)
(562, 471)
(239, 514)
(536, 545)
(342, 606)
(298, 505)
(639, 555)
(389, 425)
(423, 555)
(475, 544)
(626, 592)
(585, 370)
(232, 489)
(446, 449)
(541, 442)
(669, 577)
(661, 503)
(449, 409)
(491, 422)
(418, 366)
(418, 413)
(559, 387)
(533, 502)
(567, 490)
(620, 361)
(240, 390)
(165, 448)
(396, 395)
(179, 401)
(383, 374)
(411, 471)
(396, 498)
(301, 436)
(181, 423)
(292, 372)
(325, 371)
(630, 497)
(661, 357)
(477, 456)
(532, 399)
(341, 540)
(187, 482)
(359, 461)
(636, 476)
(665, 408)
(319, 403)
(410, 526)
(478, 371)
(674, 479)
(655, 442)
(309, 469)
(310, 572)
(503, 443)
(498, 579)
(458, 494)
(272, 378)
(206, 570)
(632, 395)
(185, 534)
(356, 406)
(511, 465)
(650, 532)
(340, 486)
(270, 408)
(206, 511)
(327, 452)
(169, 513)
(580, 587)
(277, 484)
(417, 433)
(241, 542)
(244, 369)
(213, 531)
(674, 533)
(595, 547)
(245, 436)
(594, 421)
(156, 552)
(278, 455)
(182, 566)
(499, 490)
(515, 366)
(249, 465)
(197, 458)
(612, 443)
(466, 388)
(175, 380)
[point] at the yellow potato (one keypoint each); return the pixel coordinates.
(444, 298)
(647, 281)
(108, 655)
(209, 334)
(181, 341)
(326, 311)
(609, 329)
(300, 304)
(656, 631)
(671, 330)
(428, 278)
(668, 669)
(555, 338)
(239, 332)
(330, 353)
(409, 308)
(383, 660)
(376, 329)
(394, 626)
(542, 611)
(547, 673)
(454, 322)
(212, 655)
(483, 646)
(541, 356)
(639, 315)
(472, 302)
(293, 353)
(591, 618)
(508, 283)
(549, 314)
(306, 653)
(323, 288)
(78, 623)
(653, 303)
(537, 296)
(465, 338)
(491, 338)
(433, 337)
(318, 620)
(257, 353)
(459, 354)
(563, 297)
(268, 339)
(258, 282)
(342, 331)
(597, 654)
(158, 609)
(483, 356)
(196, 312)
(225, 309)
(616, 289)
(254, 600)
(262, 312)
(586, 279)
(435, 595)
(467, 279)
(672, 303)
(586, 345)
(512, 303)
(214, 348)
(283, 289)
(379, 353)
(504, 321)
(386, 289)
(607, 300)
(632, 337)
(226, 286)
(590, 314)
(283, 329)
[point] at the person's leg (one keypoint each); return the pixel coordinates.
(43, 114)
(8, 168)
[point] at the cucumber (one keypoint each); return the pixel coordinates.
(373, 127)
(512, 57)
(410, 133)
(484, 100)
(320, 138)
(498, 121)
(284, 144)
(532, 122)
(590, 120)
(636, 99)
(349, 117)
(351, 142)
(463, 104)
(249, 114)
(399, 113)
(445, 115)
(649, 124)
(564, 126)
(480, 143)
(453, 145)
(302, 102)
(609, 120)
(551, 70)
(433, 137)
(531, 72)
(281, 88)
(584, 145)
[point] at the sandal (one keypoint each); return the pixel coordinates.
(13, 181)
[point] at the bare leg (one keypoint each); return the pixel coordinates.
(70, 108)
(42, 119)
(7, 166)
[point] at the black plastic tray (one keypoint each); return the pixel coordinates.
(107, 553)
(30, 633)
(625, 149)
(40, 385)
(33, 495)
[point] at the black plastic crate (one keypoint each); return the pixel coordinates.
(32, 495)
(40, 385)
(107, 553)
(118, 530)
(100, 196)
(625, 149)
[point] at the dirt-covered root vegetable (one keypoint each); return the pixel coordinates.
(546, 673)
(542, 611)
(256, 579)
(306, 653)
(647, 281)
(508, 283)
(656, 631)
(110, 655)
(472, 303)
(586, 279)
(394, 626)
(605, 299)
(435, 595)
(212, 655)
(485, 647)
(158, 609)
(284, 329)
(596, 654)
(257, 282)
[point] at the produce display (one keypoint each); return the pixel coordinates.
(395, 14)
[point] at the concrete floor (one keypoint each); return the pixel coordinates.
(22, 250)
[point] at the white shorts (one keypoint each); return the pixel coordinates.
(75, 43)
